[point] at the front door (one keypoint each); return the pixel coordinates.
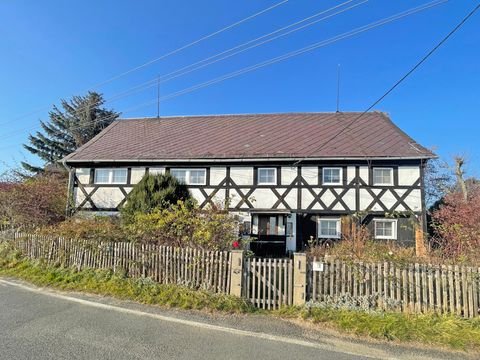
(270, 237)
(291, 230)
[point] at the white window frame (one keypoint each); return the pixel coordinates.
(110, 176)
(339, 228)
(384, 237)
(274, 176)
(332, 183)
(188, 177)
(382, 184)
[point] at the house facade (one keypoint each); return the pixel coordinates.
(289, 178)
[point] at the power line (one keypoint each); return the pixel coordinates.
(410, 72)
(190, 44)
(177, 73)
(182, 72)
(217, 32)
(296, 52)
(310, 47)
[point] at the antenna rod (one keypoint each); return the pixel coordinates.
(158, 96)
(338, 88)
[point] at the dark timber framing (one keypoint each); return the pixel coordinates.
(280, 191)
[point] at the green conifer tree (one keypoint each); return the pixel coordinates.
(69, 127)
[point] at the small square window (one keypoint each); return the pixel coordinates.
(385, 229)
(102, 176)
(329, 228)
(382, 176)
(197, 177)
(332, 176)
(119, 176)
(110, 176)
(180, 174)
(267, 176)
(190, 176)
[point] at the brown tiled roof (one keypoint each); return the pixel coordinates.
(294, 135)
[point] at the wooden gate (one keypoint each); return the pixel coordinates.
(268, 283)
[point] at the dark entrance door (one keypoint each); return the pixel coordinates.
(271, 240)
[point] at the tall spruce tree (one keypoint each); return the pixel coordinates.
(69, 127)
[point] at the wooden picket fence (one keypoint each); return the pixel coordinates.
(272, 283)
(268, 283)
(164, 264)
(414, 288)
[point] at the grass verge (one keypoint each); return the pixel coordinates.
(105, 282)
(432, 329)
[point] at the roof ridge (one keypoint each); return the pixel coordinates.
(245, 114)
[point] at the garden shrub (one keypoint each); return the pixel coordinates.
(34, 202)
(100, 228)
(184, 225)
(154, 192)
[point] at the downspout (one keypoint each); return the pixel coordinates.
(70, 170)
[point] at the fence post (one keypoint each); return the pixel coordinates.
(236, 273)
(299, 278)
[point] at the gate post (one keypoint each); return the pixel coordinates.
(299, 278)
(236, 272)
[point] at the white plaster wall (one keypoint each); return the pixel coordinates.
(219, 197)
(350, 174)
(291, 199)
(414, 200)
(310, 175)
(307, 199)
(242, 175)
(79, 197)
(407, 175)
(217, 174)
(108, 197)
(235, 197)
(365, 199)
(137, 174)
(349, 199)
(364, 174)
(288, 174)
(328, 198)
(388, 200)
(83, 175)
(264, 198)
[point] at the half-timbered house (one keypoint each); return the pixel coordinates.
(288, 177)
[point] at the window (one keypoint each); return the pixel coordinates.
(382, 176)
(110, 176)
(385, 229)
(329, 228)
(190, 176)
(267, 176)
(332, 176)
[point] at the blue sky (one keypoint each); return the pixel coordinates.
(56, 49)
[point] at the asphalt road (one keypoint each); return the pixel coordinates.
(42, 324)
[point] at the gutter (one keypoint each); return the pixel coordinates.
(241, 160)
